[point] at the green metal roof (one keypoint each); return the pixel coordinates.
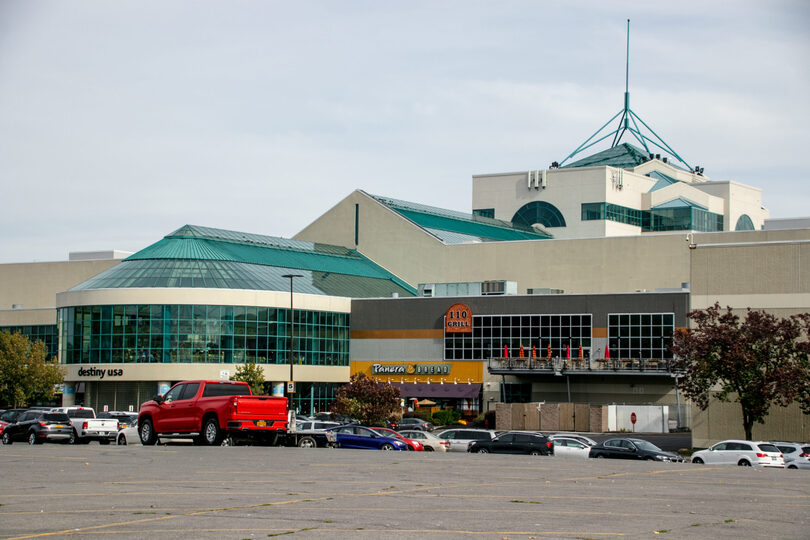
(197, 257)
(680, 202)
(663, 180)
(623, 156)
(454, 227)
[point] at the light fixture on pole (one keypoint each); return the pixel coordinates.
(291, 381)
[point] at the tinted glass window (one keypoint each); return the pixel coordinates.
(216, 389)
(27, 415)
(721, 446)
(768, 448)
(56, 417)
(787, 449)
(479, 435)
(448, 435)
(746, 447)
(174, 393)
(80, 413)
(509, 437)
(190, 390)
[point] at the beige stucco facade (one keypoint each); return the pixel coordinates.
(567, 189)
(33, 287)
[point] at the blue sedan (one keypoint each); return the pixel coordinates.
(353, 436)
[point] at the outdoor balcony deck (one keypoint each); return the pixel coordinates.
(581, 366)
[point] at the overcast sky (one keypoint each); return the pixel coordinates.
(122, 120)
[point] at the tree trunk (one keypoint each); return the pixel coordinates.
(748, 424)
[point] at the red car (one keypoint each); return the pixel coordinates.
(412, 444)
(9, 417)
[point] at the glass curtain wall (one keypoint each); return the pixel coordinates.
(661, 219)
(492, 332)
(201, 334)
(38, 332)
(640, 335)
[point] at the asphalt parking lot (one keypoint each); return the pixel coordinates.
(257, 492)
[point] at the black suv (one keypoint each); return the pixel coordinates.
(514, 442)
(38, 426)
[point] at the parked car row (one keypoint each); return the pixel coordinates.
(73, 425)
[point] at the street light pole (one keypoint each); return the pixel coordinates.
(291, 382)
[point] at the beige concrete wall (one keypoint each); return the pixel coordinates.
(724, 421)
(181, 372)
(34, 287)
(598, 265)
(771, 275)
(211, 297)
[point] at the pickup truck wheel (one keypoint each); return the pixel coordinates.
(306, 442)
(146, 431)
(212, 435)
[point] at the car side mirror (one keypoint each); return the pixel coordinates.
(157, 398)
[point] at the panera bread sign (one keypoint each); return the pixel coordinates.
(458, 319)
(410, 369)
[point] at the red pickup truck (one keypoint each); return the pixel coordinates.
(210, 411)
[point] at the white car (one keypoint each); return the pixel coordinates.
(431, 442)
(570, 447)
(460, 438)
(576, 436)
(128, 435)
(742, 453)
(315, 425)
(793, 451)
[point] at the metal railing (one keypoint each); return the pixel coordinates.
(560, 365)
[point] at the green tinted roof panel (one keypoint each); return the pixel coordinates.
(452, 227)
(201, 257)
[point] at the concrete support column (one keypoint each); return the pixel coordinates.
(68, 394)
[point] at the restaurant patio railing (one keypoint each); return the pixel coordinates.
(580, 365)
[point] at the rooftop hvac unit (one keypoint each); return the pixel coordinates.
(545, 290)
(543, 179)
(529, 179)
(493, 287)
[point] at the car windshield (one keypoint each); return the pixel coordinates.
(645, 445)
(768, 448)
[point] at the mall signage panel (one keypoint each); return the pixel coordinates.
(410, 369)
(458, 320)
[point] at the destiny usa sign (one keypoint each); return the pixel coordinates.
(458, 319)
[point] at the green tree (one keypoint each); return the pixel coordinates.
(25, 374)
(365, 398)
(252, 374)
(757, 362)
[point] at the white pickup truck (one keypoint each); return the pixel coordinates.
(86, 427)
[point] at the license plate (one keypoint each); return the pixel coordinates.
(59, 426)
(261, 423)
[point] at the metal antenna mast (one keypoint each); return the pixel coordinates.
(628, 122)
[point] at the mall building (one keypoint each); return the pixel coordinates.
(560, 285)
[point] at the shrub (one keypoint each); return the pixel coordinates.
(446, 417)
